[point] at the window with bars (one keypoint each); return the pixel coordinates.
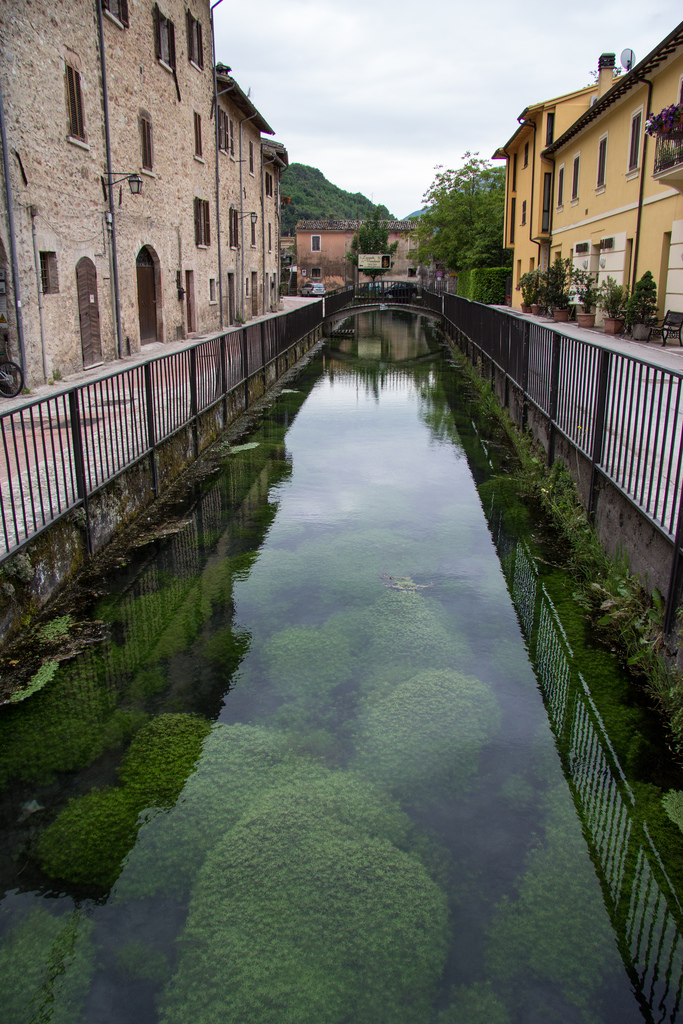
(315, 243)
(634, 147)
(269, 184)
(234, 233)
(202, 223)
(146, 142)
(197, 134)
(602, 162)
(575, 177)
(164, 38)
(195, 45)
(49, 278)
(316, 274)
(75, 103)
(560, 186)
(117, 8)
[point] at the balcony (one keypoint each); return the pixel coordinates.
(669, 159)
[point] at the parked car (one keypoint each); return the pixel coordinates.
(313, 288)
(401, 292)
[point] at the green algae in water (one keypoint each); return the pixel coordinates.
(477, 1004)
(89, 839)
(41, 678)
(303, 913)
(46, 963)
(673, 805)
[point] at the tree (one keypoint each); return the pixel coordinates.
(373, 236)
(463, 225)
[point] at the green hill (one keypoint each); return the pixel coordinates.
(313, 197)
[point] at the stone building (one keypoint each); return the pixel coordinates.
(321, 247)
(99, 95)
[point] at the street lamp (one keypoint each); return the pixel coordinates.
(134, 182)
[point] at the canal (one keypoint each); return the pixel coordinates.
(346, 753)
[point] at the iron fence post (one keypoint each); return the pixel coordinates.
(263, 352)
(193, 401)
(151, 431)
(245, 367)
(598, 427)
(79, 460)
(525, 372)
(675, 572)
(223, 357)
(554, 389)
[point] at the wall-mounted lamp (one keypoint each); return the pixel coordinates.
(254, 218)
(134, 183)
(602, 262)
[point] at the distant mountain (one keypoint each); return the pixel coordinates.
(313, 197)
(418, 213)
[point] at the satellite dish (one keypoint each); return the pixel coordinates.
(628, 59)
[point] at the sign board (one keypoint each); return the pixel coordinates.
(439, 274)
(303, 271)
(374, 261)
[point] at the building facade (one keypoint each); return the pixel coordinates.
(612, 196)
(97, 95)
(322, 245)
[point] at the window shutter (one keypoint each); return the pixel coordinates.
(197, 222)
(123, 13)
(105, 5)
(157, 32)
(146, 135)
(188, 22)
(171, 44)
(232, 137)
(200, 46)
(76, 126)
(207, 223)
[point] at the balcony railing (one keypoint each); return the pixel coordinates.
(669, 151)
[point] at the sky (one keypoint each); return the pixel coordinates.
(377, 93)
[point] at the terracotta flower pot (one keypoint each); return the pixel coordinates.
(526, 309)
(535, 309)
(560, 316)
(586, 319)
(612, 325)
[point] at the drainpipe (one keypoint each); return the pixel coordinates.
(111, 218)
(639, 215)
(242, 211)
(33, 210)
(218, 206)
(12, 238)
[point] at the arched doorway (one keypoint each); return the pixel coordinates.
(88, 311)
(147, 296)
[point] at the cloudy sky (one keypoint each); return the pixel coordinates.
(376, 93)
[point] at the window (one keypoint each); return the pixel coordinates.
(212, 289)
(48, 273)
(202, 225)
(549, 129)
(234, 228)
(560, 186)
(526, 154)
(547, 200)
(412, 272)
(195, 47)
(232, 137)
(223, 131)
(197, 134)
(514, 172)
(523, 220)
(164, 38)
(269, 184)
(575, 177)
(315, 243)
(146, 142)
(634, 148)
(602, 162)
(118, 8)
(246, 286)
(251, 157)
(253, 230)
(75, 101)
(270, 237)
(513, 215)
(316, 273)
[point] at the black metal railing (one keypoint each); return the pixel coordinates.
(57, 452)
(669, 150)
(624, 414)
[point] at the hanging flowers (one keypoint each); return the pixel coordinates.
(665, 120)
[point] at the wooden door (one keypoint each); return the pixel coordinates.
(254, 293)
(147, 299)
(88, 312)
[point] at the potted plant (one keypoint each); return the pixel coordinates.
(557, 287)
(611, 300)
(586, 288)
(529, 284)
(665, 121)
(641, 309)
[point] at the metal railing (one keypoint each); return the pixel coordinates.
(56, 452)
(669, 150)
(624, 414)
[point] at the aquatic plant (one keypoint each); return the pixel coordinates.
(476, 1004)
(38, 680)
(673, 805)
(423, 740)
(136, 960)
(410, 627)
(306, 661)
(302, 914)
(46, 963)
(89, 839)
(556, 935)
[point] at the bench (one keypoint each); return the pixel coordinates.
(670, 326)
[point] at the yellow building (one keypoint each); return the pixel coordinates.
(612, 197)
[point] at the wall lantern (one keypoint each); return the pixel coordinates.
(134, 182)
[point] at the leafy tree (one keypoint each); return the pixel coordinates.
(463, 225)
(373, 236)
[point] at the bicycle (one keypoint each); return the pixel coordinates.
(11, 377)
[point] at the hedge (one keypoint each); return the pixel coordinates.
(484, 284)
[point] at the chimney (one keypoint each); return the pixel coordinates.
(605, 72)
